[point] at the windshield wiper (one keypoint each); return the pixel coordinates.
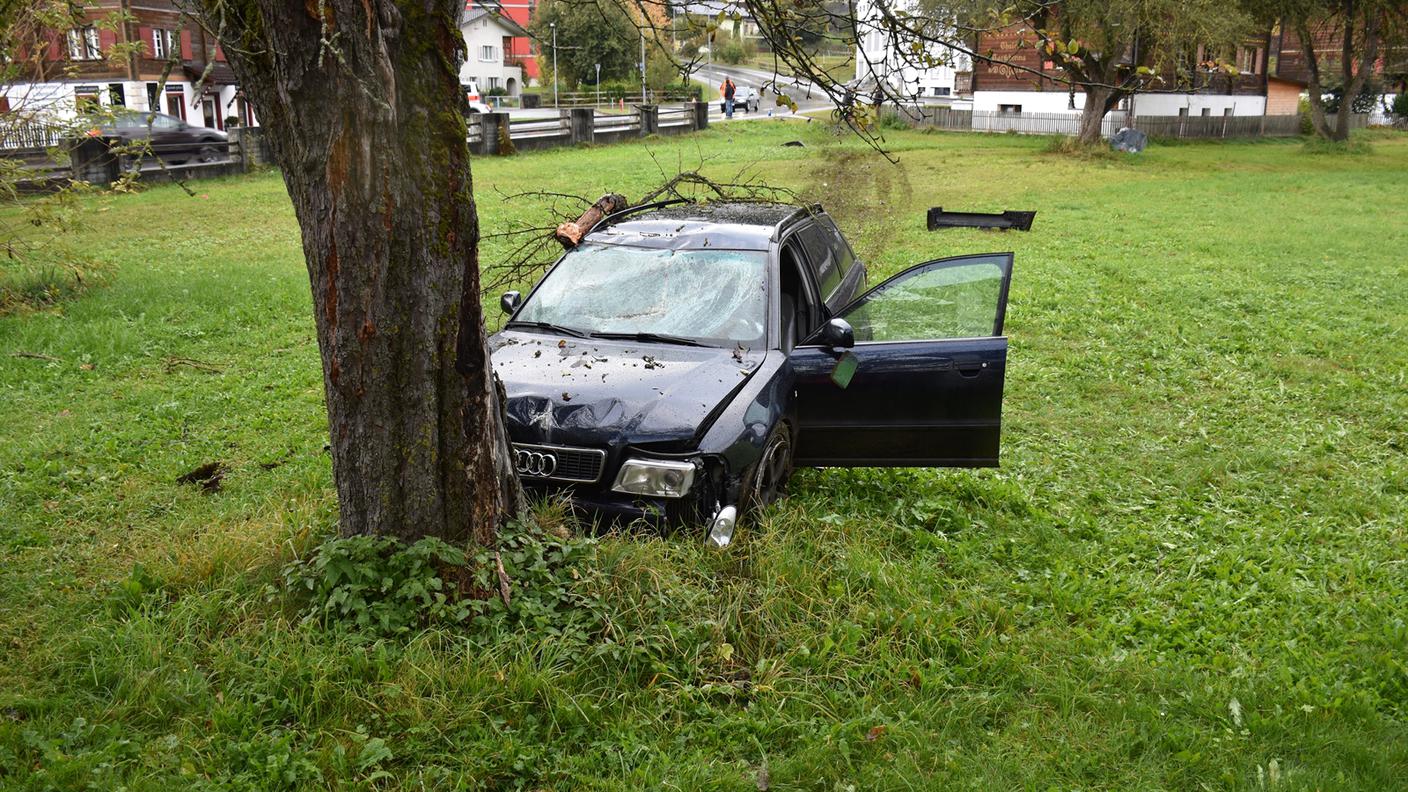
(547, 326)
(662, 338)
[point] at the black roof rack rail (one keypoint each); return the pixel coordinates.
(629, 210)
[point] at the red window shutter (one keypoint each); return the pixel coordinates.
(219, 53)
(106, 39)
(144, 35)
(186, 45)
(55, 48)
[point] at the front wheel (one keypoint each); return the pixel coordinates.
(774, 468)
(208, 154)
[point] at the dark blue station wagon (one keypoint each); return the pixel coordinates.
(678, 363)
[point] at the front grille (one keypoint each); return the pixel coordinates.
(558, 463)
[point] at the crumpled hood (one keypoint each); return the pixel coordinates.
(595, 392)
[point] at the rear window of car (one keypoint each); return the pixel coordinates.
(830, 256)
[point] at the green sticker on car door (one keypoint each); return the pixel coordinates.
(845, 369)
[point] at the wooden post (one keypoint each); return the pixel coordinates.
(701, 114)
(92, 161)
(582, 123)
(649, 119)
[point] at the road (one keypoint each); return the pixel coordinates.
(801, 91)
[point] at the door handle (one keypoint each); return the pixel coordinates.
(971, 368)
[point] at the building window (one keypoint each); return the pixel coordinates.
(85, 99)
(1009, 109)
(1227, 111)
(942, 91)
(176, 101)
(1249, 60)
(83, 44)
(164, 43)
(1182, 112)
(493, 83)
(117, 96)
(488, 52)
(1207, 112)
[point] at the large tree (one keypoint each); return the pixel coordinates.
(589, 32)
(361, 104)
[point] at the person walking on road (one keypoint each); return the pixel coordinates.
(727, 90)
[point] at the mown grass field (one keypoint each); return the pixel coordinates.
(1189, 572)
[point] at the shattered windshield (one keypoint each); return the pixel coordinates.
(716, 297)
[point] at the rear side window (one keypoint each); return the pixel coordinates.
(844, 256)
(826, 265)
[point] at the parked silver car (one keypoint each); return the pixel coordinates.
(745, 100)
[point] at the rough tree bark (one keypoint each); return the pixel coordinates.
(360, 101)
(1099, 101)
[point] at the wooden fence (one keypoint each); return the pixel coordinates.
(1221, 126)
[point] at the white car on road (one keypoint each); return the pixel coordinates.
(745, 100)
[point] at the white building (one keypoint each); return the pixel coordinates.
(76, 70)
(879, 62)
(488, 41)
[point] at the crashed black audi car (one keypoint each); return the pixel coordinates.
(679, 362)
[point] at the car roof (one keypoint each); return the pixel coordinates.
(728, 225)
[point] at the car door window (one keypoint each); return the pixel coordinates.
(845, 257)
(798, 318)
(963, 297)
(822, 254)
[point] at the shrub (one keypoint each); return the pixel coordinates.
(1400, 106)
(383, 587)
(731, 52)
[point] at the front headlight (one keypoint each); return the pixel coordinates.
(661, 478)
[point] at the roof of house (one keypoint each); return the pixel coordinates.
(469, 16)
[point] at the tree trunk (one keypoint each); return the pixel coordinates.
(1098, 102)
(360, 101)
(1364, 24)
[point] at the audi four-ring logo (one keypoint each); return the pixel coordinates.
(535, 463)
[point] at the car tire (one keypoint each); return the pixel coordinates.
(208, 153)
(768, 481)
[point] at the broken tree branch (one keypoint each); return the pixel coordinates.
(570, 234)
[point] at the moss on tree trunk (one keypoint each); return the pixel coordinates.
(360, 102)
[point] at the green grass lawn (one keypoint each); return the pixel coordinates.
(1189, 572)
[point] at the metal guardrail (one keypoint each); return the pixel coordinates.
(594, 99)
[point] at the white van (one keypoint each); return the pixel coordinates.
(476, 102)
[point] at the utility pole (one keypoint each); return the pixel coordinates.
(553, 27)
(598, 85)
(642, 67)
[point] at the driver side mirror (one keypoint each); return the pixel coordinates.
(510, 301)
(837, 333)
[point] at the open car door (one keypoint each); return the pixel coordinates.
(922, 385)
